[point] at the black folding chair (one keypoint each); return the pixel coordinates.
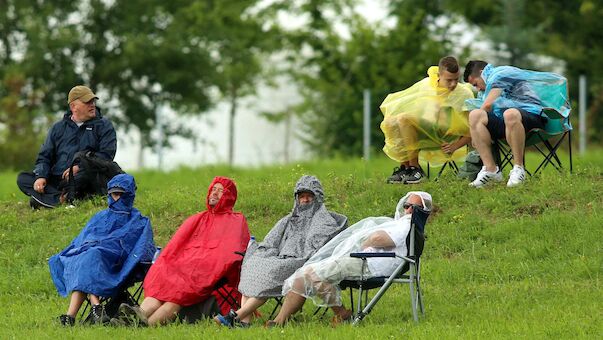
(408, 272)
(124, 295)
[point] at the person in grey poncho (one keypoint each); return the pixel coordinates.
(290, 243)
(318, 279)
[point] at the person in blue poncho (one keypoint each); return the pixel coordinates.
(511, 102)
(100, 258)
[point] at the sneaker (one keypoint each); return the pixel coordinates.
(414, 175)
(36, 201)
(67, 320)
(398, 175)
(227, 320)
(516, 176)
(484, 177)
(132, 315)
(99, 317)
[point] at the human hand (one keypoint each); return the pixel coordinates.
(39, 185)
(448, 148)
(76, 168)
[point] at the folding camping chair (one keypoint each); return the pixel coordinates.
(124, 295)
(342, 221)
(409, 271)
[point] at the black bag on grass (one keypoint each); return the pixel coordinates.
(95, 173)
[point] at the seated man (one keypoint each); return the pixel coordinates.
(318, 279)
(429, 117)
(100, 258)
(292, 241)
(199, 255)
(510, 103)
(82, 128)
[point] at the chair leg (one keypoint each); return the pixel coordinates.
(279, 302)
(569, 138)
(413, 293)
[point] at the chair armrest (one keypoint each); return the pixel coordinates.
(242, 253)
(366, 255)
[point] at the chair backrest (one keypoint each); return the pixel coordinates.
(415, 241)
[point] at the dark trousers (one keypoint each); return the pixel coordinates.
(55, 186)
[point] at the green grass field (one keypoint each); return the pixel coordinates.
(498, 263)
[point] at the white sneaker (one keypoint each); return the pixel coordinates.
(484, 177)
(516, 176)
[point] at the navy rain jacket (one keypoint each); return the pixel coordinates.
(114, 241)
(65, 138)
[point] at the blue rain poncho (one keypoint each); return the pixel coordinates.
(114, 241)
(530, 91)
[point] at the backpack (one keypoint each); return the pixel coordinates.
(97, 172)
(473, 165)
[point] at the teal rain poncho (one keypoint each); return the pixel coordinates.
(530, 91)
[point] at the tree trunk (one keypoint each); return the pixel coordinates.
(231, 129)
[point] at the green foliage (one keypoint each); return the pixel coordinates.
(499, 262)
(143, 54)
(567, 30)
(333, 70)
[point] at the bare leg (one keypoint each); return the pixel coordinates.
(248, 306)
(408, 132)
(94, 300)
(293, 303)
(481, 138)
(164, 314)
(341, 312)
(77, 298)
(149, 305)
(515, 134)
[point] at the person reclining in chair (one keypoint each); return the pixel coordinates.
(290, 243)
(100, 258)
(201, 253)
(509, 105)
(318, 279)
(430, 117)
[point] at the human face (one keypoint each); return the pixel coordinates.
(412, 200)
(448, 80)
(477, 82)
(305, 198)
(83, 111)
(215, 194)
(116, 196)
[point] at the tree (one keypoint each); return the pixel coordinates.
(332, 70)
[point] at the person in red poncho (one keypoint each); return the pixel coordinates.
(201, 253)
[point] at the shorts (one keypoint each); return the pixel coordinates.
(496, 124)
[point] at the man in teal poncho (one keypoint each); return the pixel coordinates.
(510, 103)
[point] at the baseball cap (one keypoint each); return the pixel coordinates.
(82, 93)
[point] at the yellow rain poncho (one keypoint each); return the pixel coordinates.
(423, 117)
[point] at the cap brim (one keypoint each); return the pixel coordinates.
(88, 97)
(116, 189)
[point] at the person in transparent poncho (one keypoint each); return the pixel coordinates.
(318, 279)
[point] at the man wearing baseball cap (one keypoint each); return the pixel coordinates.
(82, 128)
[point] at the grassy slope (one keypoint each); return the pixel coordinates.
(498, 263)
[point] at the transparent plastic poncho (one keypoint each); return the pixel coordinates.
(423, 117)
(528, 90)
(307, 280)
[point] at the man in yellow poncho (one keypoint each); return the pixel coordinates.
(428, 116)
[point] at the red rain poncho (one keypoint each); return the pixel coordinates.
(201, 253)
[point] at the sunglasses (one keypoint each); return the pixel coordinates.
(406, 205)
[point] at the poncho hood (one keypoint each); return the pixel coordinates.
(126, 201)
(229, 196)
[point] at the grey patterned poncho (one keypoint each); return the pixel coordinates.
(292, 241)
